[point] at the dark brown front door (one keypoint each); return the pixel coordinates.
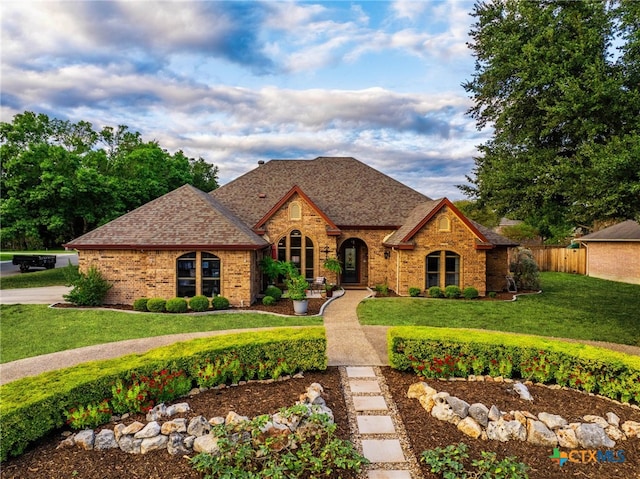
(350, 273)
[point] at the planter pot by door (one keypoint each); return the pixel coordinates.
(300, 307)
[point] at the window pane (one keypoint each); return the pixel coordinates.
(186, 287)
(308, 260)
(210, 266)
(452, 267)
(282, 249)
(433, 269)
(210, 287)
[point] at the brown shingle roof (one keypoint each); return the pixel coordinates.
(349, 192)
(626, 231)
(184, 218)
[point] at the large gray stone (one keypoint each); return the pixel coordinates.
(443, 412)
(207, 443)
(480, 413)
(470, 427)
(153, 443)
(613, 419)
(504, 431)
(539, 433)
(494, 413)
(459, 407)
(130, 445)
(85, 439)
(176, 446)
(198, 426)
(105, 439)
(132, 428)
(158, 412)
(567, 438)
(175, 425)
(592, 436)
(178, 408)
(150, 430)
(522, 391)
(552, 421)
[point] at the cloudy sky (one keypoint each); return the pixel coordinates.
(237, 82)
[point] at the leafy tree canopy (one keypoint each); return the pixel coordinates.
(61, 179)
(559, 83)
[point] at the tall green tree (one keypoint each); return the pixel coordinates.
(564, 112)
(61, 179)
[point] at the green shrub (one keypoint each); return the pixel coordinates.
(435, 292)
(319, 453)
(413, 292)
(140, 304)
(382, 289)
(156, 305)
(89, 289)
(93, 415)
(525, 270)
(452, 292)
(470, 293)
(493, 294)
(176, 305)
(199, 303)
(220, 302)
(268, 301)
(445, 352)
(274, 292)
(32, 407)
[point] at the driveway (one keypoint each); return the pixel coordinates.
(45, 295)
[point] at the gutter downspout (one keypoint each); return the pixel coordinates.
(397, 270)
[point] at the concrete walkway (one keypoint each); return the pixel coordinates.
(44, 295)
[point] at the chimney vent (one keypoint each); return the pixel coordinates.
(260, 162)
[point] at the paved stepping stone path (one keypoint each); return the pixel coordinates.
(376, 428)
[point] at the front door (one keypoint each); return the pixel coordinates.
(350, 273)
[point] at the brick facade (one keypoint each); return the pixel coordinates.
(615, 261)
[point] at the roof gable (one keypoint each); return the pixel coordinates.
(424, 212)
(332, 228)
(626, 231)
(346, 190)
(184, 218)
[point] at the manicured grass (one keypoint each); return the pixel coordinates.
(31, 330)
(570, 306)
(35, 279)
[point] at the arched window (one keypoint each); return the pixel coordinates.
(210, 274)
(189, 278)
(186, 273)
(298, 249)
(442, 269)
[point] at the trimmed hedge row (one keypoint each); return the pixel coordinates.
(444, 352)
(32, 407)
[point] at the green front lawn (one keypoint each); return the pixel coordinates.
(31, 330)
(35, 279)
(570, 306)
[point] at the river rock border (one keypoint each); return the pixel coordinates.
(180, 436)
(551, 430)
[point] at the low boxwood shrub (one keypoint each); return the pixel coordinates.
(268, 301)
(34, 406)
(220, 302)
(156, 305)
(176, 305)
(445, 352)
(470, 293)
(413, 292)
(140, 304)
(452, 291)
(493, 294)
(435, 292)
(274, 292)
(199, 303)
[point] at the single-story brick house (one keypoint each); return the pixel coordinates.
(188, 242)
(614, 253)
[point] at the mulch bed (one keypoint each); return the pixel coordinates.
(43, 461)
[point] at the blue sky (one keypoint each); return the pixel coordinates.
(238, 82)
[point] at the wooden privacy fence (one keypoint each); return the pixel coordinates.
(560, 259)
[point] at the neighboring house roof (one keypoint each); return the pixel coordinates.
(185, 218)
(347, 191)
(626, 231)
(423, 213)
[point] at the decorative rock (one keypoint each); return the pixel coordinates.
(427, 402)
(504, 431)
(105, 439)
(416, 390)
(67, 442)
(459, 407)
(157, 412)
(614, 433)
(175, 445)
(521, 418)
(117, 431)
(234, 418)
(470, 427)
(132, 428)
(290, 422)
(198, 426)
(499, 379)
(313, 392)
(480, 413)
(613, 419)
(600, 421)
(188, 442)
(207, 443)
(631, 429)
(494, 413)
(567, 438)
(522, 391)
(153, 443)
(179, 408)
(130, 445)
(176, 425)
(440, 398)
(552, 421)
(150, 430)
(539, 433)
(85, 439)
(443, 412)
(592, 436)
(216, 421)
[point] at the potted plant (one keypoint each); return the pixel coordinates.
(334, 265)
(297, 291)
